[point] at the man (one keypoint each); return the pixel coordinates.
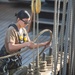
(16, 39)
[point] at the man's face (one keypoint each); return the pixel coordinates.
(26, 21)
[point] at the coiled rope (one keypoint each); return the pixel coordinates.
(43, 31)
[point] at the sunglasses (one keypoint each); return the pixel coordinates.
(26, 21)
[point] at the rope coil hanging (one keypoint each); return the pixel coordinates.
(36, 6)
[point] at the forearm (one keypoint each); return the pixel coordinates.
(38, 45)
(16, 47)
(41, 44)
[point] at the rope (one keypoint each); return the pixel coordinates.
(45, 30)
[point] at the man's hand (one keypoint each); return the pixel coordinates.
(47, 44)
(32, 45)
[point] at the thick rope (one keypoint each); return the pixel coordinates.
(45, 30)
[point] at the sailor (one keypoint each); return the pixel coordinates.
(15, 40)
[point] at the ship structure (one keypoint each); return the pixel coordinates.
(58, 57)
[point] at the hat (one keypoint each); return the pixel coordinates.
(22, 14)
